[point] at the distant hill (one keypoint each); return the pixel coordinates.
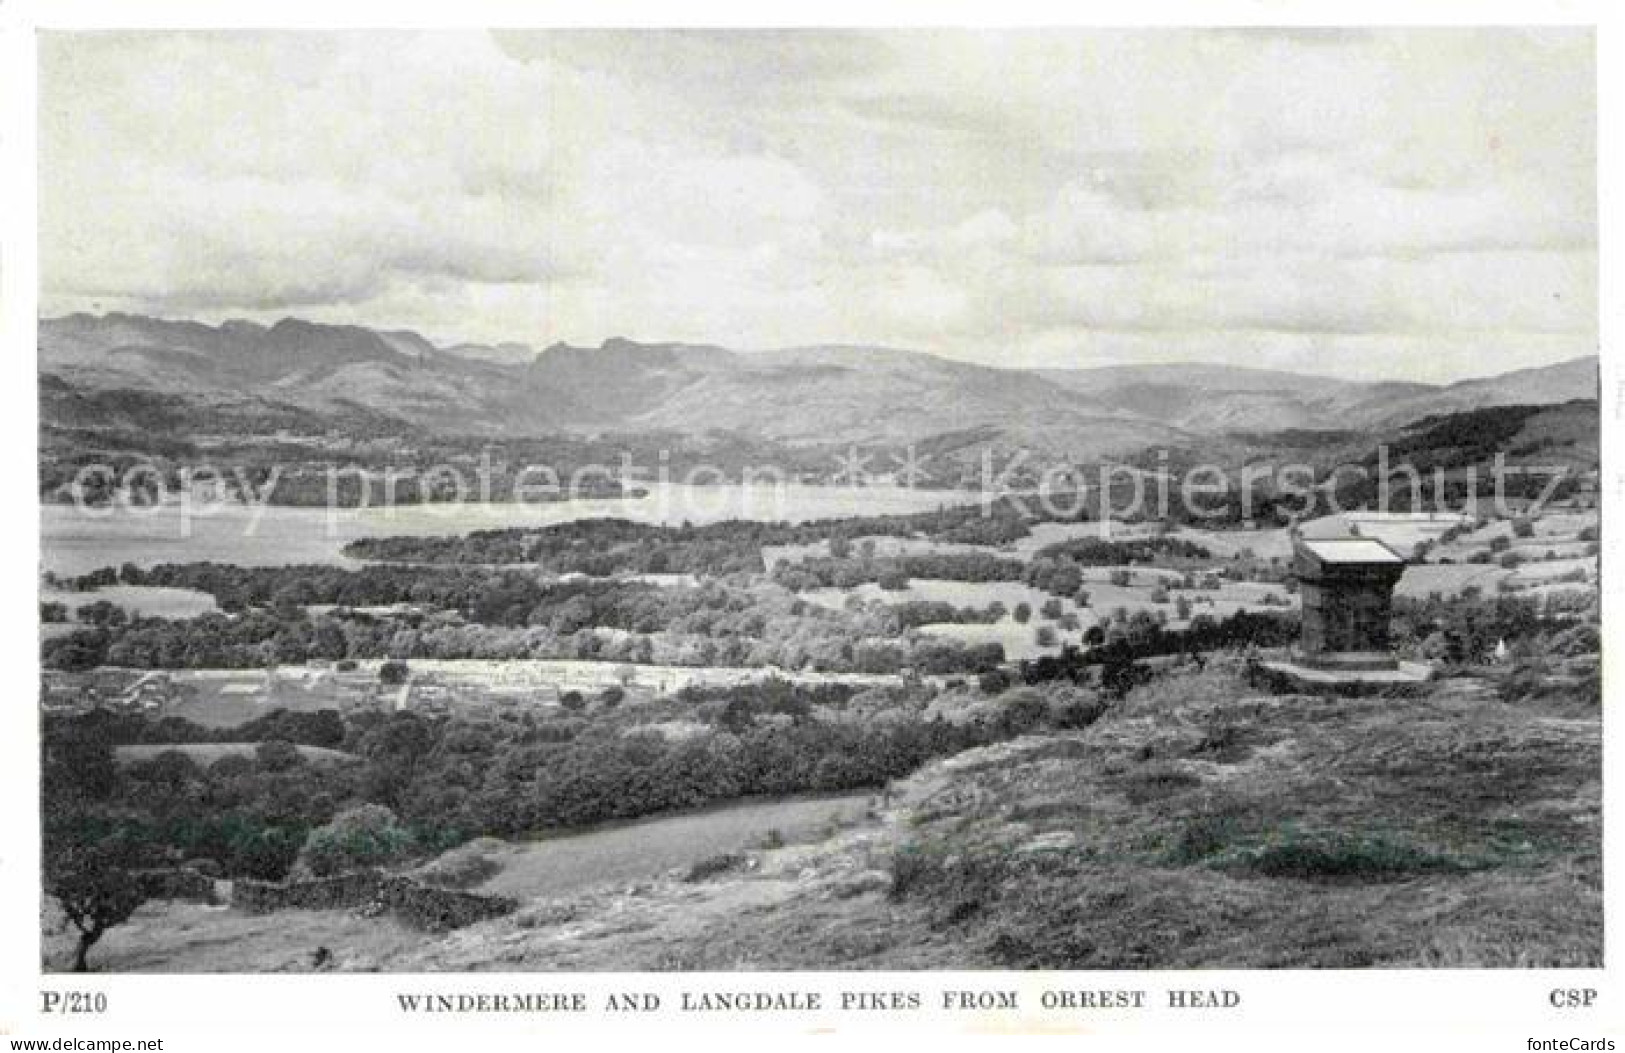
(506, 353)
(807, 394)
(1543, 385)
(1208, 398)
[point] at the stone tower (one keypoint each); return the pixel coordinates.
(1347, 588)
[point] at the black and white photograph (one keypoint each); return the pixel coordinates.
(772, 501)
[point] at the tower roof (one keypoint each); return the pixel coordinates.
(1350, 551)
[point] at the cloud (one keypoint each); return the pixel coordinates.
(1003, 196)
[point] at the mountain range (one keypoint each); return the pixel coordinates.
(805, 394)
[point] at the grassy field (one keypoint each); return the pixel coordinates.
(1020, 642)
(645, 850)
(1449, 579)
(139, 599)
(1203, 825)
(208, 752)
(1104, 598)
(219, 698)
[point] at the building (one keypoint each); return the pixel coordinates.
(1347, 589)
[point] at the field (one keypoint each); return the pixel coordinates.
(219, 698)
(1449, 579)
(209, 752)
(645, 850)
(1400, 531)
(138, 599)
(1105, 598)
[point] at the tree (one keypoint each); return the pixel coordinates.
(893, 579)
(993, 681)
(367, 835)
(1120, 673)
(93, 879)
(393, 672)
(1044, 636)
(278, 755)
(1023, 612)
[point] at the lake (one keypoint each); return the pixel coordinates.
(76, 541)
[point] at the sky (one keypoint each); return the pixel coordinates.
(1406, 204)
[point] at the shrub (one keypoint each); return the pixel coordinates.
(711, 866)
(956, 884)
(278, 755)
(993, 682)
(1120, 673)
(1156, 781)
(893, 579)
(1522, 680)
(393, 672)
(367, 835)
(1022, 710)
(1076, 710)
(1340, 857)
(1202, 836)
(464, 866)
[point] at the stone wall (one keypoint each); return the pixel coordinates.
(434, 909)
(176, 883)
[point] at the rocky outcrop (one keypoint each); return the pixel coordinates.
(372, 891)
